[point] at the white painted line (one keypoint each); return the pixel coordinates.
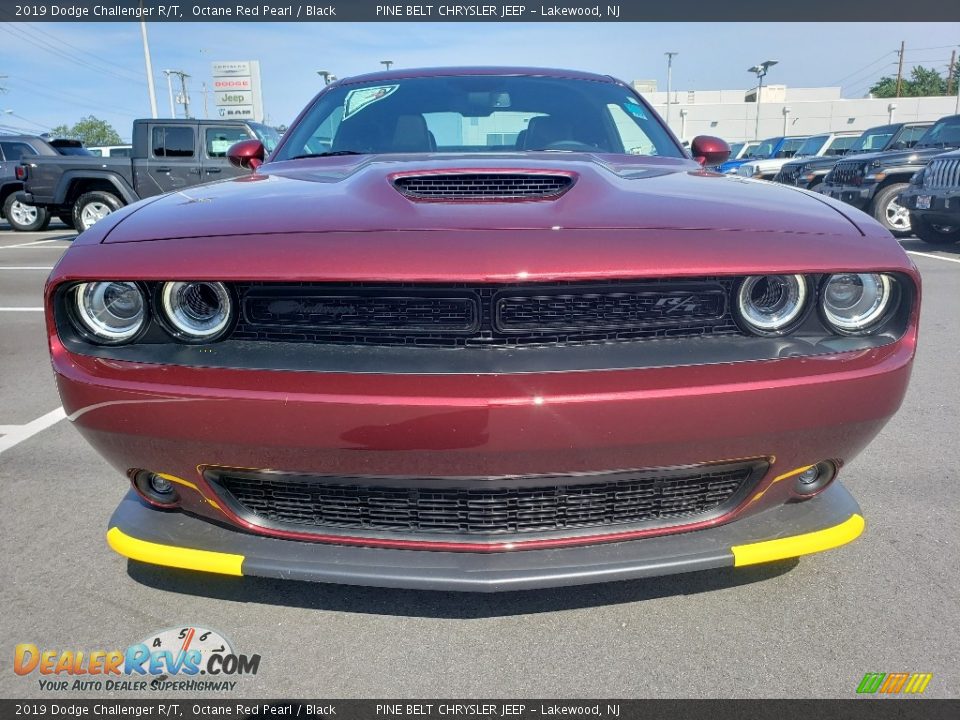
(931, 255)
(25, 267)
(16, 309)
(32, 244)
(25, 432)
(7, 429)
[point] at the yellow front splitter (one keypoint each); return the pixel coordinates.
(797, 545)
(173, 556)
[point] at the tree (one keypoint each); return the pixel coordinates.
(91, 131)
(923, 82)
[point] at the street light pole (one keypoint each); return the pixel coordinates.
(669, 81)
(325, 75)
(761, 72)
(386, 63)
(146, 59)
(173, 111)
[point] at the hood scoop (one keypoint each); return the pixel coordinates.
(454, 186)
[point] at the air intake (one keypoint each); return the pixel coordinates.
(483, 186)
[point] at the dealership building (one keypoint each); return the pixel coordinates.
(732, 114)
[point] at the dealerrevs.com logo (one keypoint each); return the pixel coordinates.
(187, 659)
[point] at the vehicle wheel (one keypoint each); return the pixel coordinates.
(935, 234)
(23, 217)
(92, 207)
(889, 213)
(66, 218)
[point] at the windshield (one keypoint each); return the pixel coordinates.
(735, 149)
(790, 147)
(874, 139)
(841, 145)
(811, 146)
(764, 150)
(944, 133)
(266, 135)
(478, 113)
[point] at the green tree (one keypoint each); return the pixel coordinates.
(91, 131)
(923, 82)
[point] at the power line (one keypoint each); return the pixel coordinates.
(868, 65)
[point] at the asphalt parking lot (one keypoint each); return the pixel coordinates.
(886, 603)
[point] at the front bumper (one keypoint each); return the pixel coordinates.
(942, 206)
(828, 520)
(859, 196)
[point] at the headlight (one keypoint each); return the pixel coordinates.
(854, 302)
(770, 304)
(109, 312)
(196, 311)
(917, 177)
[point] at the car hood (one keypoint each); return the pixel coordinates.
(356, 194)
(898, 157)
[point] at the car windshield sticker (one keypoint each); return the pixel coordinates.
(635, 110)
(357, 100)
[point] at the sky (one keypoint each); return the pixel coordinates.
(59, 72)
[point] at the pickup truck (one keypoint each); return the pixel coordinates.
(168, 155)
(13, 148)
(873, 182)
(808, 173)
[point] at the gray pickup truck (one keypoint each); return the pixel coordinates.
(168, 155)
(13, 148)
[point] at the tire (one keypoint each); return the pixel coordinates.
(93, 206)
(23, 217)
(886, 211)
(935, 234)
(66, 218)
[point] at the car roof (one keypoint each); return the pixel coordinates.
(405, 73)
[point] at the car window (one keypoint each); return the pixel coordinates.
(790, 147)
(217, 140)
(944, 133)
(909, 137)
(13, 151)
(840, 145)
(473, 113)
(810, 146)
(173, 141)
(121, 152)
(266, 135)
(763, 150)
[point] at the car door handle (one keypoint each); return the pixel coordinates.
(161, 169)
(213, 170)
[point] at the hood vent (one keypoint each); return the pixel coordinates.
(483, 185)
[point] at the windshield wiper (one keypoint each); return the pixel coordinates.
(331, 153)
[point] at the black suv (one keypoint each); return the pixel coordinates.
(23, 216)
(874, 182)
(933, 200)
(809, 172)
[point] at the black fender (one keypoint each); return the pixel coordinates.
(118, 182)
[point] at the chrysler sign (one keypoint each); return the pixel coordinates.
(236, 87)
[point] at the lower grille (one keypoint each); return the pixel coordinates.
(484, 316)
(486, 506)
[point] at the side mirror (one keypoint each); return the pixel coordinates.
(709, 150)
(246, 154)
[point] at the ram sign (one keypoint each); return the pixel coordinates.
(236, 88)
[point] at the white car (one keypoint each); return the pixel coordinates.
(814, 146)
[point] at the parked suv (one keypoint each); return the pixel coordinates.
(775, 147)
(933, 200)
(168, 155)
(874, 182)
(13, 148)
(809, 172)
(830, 144)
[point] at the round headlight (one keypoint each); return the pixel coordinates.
(109, 312)
(769, 304)
(196, 311)
(854, 302)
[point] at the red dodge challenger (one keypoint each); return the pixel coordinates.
(481, 329)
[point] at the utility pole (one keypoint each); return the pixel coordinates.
(146, 58)
(206, 115)
(184, 96)
(669, 81)
(900, 66)
(173, 111)
(953, 66)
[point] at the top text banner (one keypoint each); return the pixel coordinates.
(559, 11)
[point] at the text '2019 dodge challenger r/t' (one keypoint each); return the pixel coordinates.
(481, 329)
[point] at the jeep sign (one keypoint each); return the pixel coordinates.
(236, 87)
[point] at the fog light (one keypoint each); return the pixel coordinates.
(815, 478)
(155, 489)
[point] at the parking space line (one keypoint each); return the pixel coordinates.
(19, 433)
(27, 267)
(21, 309)
(931, 255)
(34, 243)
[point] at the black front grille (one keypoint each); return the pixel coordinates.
(490, 186)
(943, 173)
(847, 173)
(788, 175)
(486, 506)
(491, 316)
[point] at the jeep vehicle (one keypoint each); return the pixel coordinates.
(740, 150)
(826, 144)
(13, 148)
(874, 182)
(809, 172)
(775, 147)
(933, 200)
(168, 155)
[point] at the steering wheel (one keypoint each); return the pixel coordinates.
(570, 145)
